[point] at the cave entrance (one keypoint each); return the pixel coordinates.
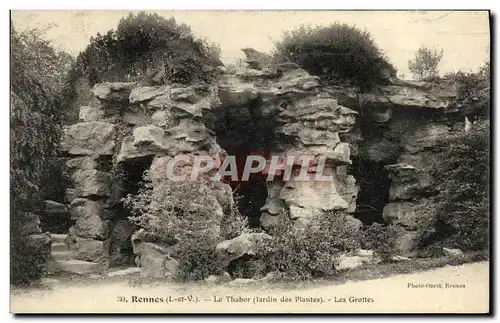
(121, 251)
(242, 131)
(374, 184)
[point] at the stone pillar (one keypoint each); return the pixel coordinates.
(412, 183)
(311, 128)
(171, 124)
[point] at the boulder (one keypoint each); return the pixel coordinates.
(136, 117)
(217, 279)
(453, 252)
(91, 183)
(124, 272)
(146, 93)
(88, 249)
(408, 182)
(89, 222)
(407, 244)
(90, 113)
(244, 244)
(115, 92)
(255, 59)
(150, 136)
(405, 214)
(89, 138)
(426, 136)
(155, 261)
(350, 262)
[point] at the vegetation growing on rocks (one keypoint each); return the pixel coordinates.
(458, 217)
(338, 52)
(144, 47)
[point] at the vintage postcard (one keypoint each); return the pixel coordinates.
(250, 161)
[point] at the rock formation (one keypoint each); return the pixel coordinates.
(141, 128)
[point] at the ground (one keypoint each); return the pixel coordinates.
(463, 289)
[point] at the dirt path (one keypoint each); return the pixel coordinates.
(463, 289)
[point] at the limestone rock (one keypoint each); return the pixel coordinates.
(89, 138)
(320, 195)
(91, 183)
(151, 136)
(244, 244)
(90, 113)
(453, 252)
(88, 249)
(256, 59)
(408, 182)
(129, 152)
(155, 261)
(241, 282)
(407, 244)
(349, 262)
(400, 258)
(52, 207)
(117, 92)
(69, 195)
(412, 94)
(215, 279)
(405, 214)
(185, 94)
(146, 93)
(78, 267)
(136, 117)
(426, 136)
(89, 222)
(124, 272)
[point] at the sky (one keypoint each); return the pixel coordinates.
(464, 36)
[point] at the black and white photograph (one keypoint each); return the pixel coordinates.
(250, 161)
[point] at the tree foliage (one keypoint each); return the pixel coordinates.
(336, 52)
(458, 217)
(37, 78)
(142, 46)
(142, 43)
(425, 63)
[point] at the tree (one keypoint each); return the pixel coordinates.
(425, 63)
(37, 78)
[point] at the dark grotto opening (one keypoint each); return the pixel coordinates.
(121, 251)
(242, 131)
(374, 185)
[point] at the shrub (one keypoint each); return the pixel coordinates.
(382, 239)
(425, 63)
(37, 77)
(474, 90)
(336, 52)
(311, 251)
(458, 217)
(233, 223)
(145, 42)
(143, 45)
(181, 215)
